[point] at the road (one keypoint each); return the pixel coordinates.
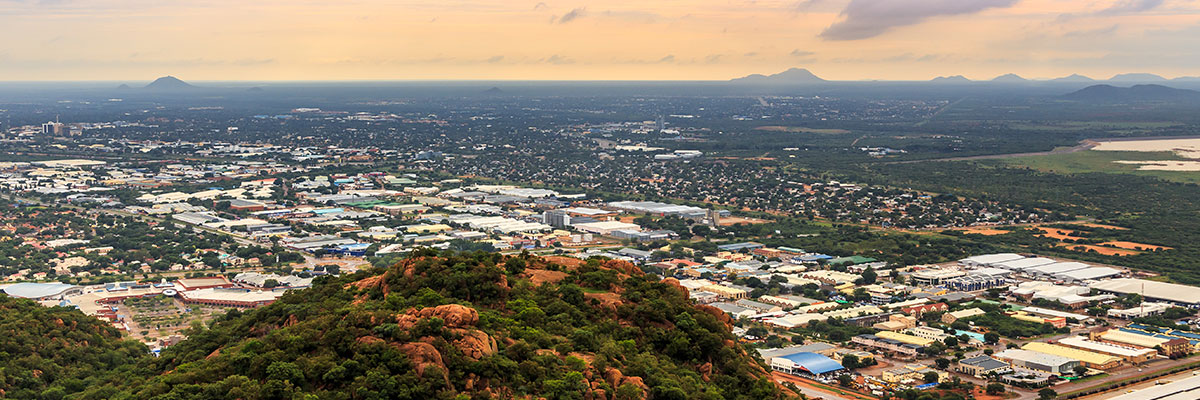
(813, 392)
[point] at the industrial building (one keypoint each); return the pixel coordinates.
(1086, 358)
(989, 260)
(886, 344)
(1130, 354)
(41, 291)
(230, 297)
(980, 366)
(1180, 295)
(806, 364)
(1038, 361)
(1183, 389)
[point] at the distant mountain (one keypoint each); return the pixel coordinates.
(1137, 77)
(950, 79)
(493, 91)
(255, 89)
(1010, 78)
(123, 87)
(1109, 93)
(794, 75)
(169, 83)
(1187, 79)
(1073, 78)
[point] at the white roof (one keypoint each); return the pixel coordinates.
(992, 258)
(1056, 268)
(1089, 273)
(1155, 290)
(991, 272)
(1183, 389)
(1035, 357)
(1025, 263)
(1099, 347)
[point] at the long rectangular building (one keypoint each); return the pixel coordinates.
(1038, 361)
(1087, 358)
(1129, 354)
(1181, 295)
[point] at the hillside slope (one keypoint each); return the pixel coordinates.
(48, 353)
(477, 326)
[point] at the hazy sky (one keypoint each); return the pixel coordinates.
(592, 39)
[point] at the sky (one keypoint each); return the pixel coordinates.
(263, 40)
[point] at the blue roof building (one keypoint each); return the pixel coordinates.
(806, 363)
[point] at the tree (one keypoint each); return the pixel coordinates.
(850, 361)
(951, 341)
(270, 283)
(1047, 394)
(991, 337)
(869, 276)
(930, 377)
(1080, 370)
(942, 363)
(995, 389)
(845, 380)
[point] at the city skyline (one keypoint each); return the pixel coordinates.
(619, 40)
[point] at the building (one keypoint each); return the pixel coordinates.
(1088, 274)
(906, 338)
(989, 260)
(887, 345)
(918, 311)
(934, 277)
(204, 283)
(726, 292)
(1145, 310)
(41, 291)
(806, 364)
(230, 297)
(926, 332)
(1180, 295)
(981, 366)
(1039, 361)
(1086, 358)
(950, 317)
(606, 228)
(848, 313)
(896, 322)
(911, 373)
(1130, 354)
(1186, 388)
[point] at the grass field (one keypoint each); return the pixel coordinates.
(1103, 161)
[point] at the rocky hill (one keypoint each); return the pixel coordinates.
(463, 326)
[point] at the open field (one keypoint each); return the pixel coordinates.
(1134, 245)
(1187, 148)
(1054, 233)
(727, 221)
(1123, 162)
(1108, 251)
(985, 231)
(801, 129)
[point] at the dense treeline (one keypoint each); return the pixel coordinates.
(50, 352)
(1155, 211)
(440, 326)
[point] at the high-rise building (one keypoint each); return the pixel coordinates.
(52, 128)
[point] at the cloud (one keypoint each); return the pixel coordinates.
(801, 53)
(573, 15)
(670, 58)
(1089, 33)
(494, 59)
(712, 59)
(558, 60)
(863, 19)
(1131, 6)
(540, 6)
